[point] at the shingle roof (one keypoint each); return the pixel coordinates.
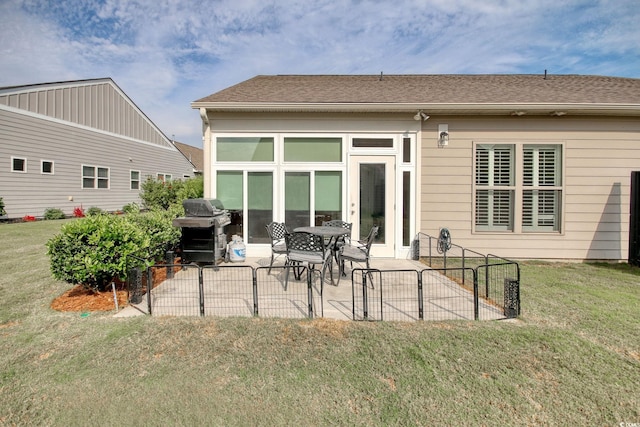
(431, 89)
(194, 154)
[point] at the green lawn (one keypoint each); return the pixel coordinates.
(572, 359)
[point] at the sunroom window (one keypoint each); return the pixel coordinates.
(303, 149)
(244, 149)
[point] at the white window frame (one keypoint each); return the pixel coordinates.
(24, 159)
(164, 177)
(131, 180)
(95, 177)
(280, 161)
(42, 162)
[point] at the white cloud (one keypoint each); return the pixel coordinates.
(166, 53)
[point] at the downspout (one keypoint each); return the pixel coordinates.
(206, 147)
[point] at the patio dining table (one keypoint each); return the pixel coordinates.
(332, 233)
(325, 231)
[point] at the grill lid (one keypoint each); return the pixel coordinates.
(202, 207)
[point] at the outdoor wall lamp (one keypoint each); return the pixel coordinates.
(420, 115)
(443, 135)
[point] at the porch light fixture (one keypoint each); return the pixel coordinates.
(443, 135)
(420, 115)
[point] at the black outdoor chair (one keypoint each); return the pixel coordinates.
(343, 224)
(342, 240)
(306, 249)
(357, 253)
(277, 231)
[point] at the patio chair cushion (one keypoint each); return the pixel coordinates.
(353, 253)
(310, 257)
(280, 248)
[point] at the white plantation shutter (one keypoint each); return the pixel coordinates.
(494, 177)
(541, 206)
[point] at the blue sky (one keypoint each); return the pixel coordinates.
(165, 54)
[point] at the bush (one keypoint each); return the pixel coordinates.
(78, 212)
(156, 194)
(131, 208)
(192, 188)
(54, 213)
(95, 250)
(2, 211)
(158, 227)
(94, 210)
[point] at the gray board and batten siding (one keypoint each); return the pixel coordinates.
(68, 126)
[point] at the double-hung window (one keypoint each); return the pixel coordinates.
(495, 187)
(134, 180)
(525, 200)
(542, 191)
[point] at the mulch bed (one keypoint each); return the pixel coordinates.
(82, 299)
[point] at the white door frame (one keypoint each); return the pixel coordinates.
(381, 250)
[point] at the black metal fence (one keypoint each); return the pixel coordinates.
(488, 291)
(497, 279)
(227, 290)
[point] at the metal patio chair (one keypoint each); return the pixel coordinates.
(306, 249)
(276, 232)
(340, 223)
(357, 253)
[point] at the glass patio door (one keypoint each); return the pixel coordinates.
(372, 201)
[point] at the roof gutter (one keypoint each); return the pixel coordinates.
(431, 108)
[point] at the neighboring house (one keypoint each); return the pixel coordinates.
(78, 143)
(194, 154)
(521, 166)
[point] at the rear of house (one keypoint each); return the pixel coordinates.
(522, 166)
(78, 144)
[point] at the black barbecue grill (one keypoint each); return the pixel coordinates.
(203, 236)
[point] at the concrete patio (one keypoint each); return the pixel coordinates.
(443, 298)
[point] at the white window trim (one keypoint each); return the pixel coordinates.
(131, 181)
(166, 177)
(226, 164)
(95, 177)
(24, 159)
(343, 148)
(53, 169)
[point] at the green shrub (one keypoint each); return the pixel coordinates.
(94, 250)
(2, 211)
(192, 188)
(157, 225)
(131, 208)
(54, 213)
(94, 210)
(156, 194)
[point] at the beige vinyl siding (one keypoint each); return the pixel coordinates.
(598, 157)
(69, 147)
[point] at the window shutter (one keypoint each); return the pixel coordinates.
(502, 166)
(541, 207)
(482, 166)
